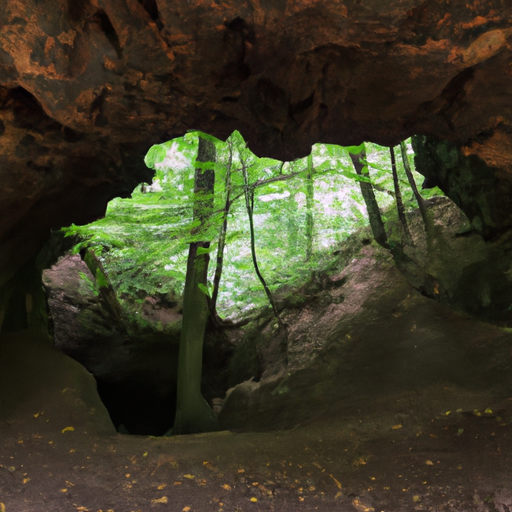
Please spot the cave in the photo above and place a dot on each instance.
(86, 88)
(134, 409)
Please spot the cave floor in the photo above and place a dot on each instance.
(388, 453)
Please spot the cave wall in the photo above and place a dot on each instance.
(86, 87)
(481, 190)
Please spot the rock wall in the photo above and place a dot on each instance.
(366, 333)
(45, 390)
(87, 87)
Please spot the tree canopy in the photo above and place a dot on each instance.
(301, 211)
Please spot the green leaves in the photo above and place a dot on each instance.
(356, 150)
(204, 289)
(155, 155)
(142, 242)
(205, 250)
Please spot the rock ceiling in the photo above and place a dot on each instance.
(87, 86)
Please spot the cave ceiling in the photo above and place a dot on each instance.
(87, 86)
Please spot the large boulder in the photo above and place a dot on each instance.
(49, 391)
(362, 334)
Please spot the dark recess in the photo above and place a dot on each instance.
(151, 7)
(76, 9)
(302, 106)
(102, 19)
(136, 409)
(71, 135)
(28, 112)
(97, 106)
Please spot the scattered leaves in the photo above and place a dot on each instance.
(190, 477)
(253, 499)
(429, 463)
(361, 506)
(338, 484)
(68, 429)
(163, 499)
(396, 427)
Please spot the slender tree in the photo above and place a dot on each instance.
(358, 157)
(422, 205)
(249, 203)
(222, 239)
(310, 202)
(106, 290)
(406, 237)
(292, 223)
(193, 414)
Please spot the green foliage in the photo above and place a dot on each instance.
(88, 283)
(204, 289)
(142, 242)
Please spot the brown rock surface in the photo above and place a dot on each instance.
(87, 87)
(68, 397)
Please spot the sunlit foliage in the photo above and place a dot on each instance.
(143, 241)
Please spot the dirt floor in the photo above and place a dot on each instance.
(396, 404)
(391, 455)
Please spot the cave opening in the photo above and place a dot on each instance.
(136, 408)
(131, 273)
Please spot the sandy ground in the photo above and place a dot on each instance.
(387, 456)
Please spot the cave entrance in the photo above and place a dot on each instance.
(137, 408)
(126, 292)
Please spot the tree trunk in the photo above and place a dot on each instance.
(310, 201)
(106, 290)
(222, 241)
(406, 237)
(379, 233)
(422, 205)
(193, 414)
(292, 225)
(249, 204)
